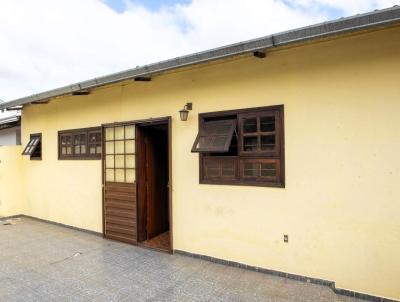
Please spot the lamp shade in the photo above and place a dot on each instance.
(184, 114)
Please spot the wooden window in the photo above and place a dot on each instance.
(80, 143)
(34, 147)
(252, 152)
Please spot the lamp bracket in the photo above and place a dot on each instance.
(188, 106)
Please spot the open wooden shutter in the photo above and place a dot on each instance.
(32, 145)
(214, 136)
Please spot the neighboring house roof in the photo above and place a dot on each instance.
(10, 121)
(375, 19)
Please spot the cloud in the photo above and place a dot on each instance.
(50, 43)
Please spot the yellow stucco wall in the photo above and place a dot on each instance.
(12, 198)
(340, 206)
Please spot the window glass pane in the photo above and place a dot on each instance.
(69, 150)
(109, 147)
(110, 161)
(130, 132)
(130, 176)
(267, 123)
(268, 142)
(119, 132)
(250, 125)
(77, 140)
(77, 149)
(251, 169)
(109, 175)
(130, 146)
(119, 161)
(98, 149)
(119, 147)
(109, 134)
(63, 150)
(92, 138)
(83, 149)
(268, 169)
(130, 161)
(250, 143)
(92, 149)
(119, 175)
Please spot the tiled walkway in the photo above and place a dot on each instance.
(44, 262)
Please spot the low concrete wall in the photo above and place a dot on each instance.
(12, 188)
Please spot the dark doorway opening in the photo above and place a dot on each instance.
(153, 185)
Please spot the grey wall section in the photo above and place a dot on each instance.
(10, 136)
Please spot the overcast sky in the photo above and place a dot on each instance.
(45, 44)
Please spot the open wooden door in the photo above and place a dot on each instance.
(153, 185)
(119, 183)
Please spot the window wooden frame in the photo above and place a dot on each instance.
(276, 156)
(85, 132)
(36, 152)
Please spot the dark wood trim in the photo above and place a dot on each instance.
(79, 129)
(279, 154)
(103, 180)
(150, 121)
(238, 111)
(171, 243)
(141, 185)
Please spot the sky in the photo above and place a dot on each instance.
(45, 44)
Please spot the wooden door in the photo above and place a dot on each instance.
(119, 183)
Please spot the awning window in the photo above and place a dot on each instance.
(32, 145)
(214, 136)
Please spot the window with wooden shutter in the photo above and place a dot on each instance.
(251, 152)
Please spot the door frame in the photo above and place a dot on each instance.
(150, 121)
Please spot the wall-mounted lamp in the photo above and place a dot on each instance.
(185, 111)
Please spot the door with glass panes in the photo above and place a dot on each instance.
(119, 182)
